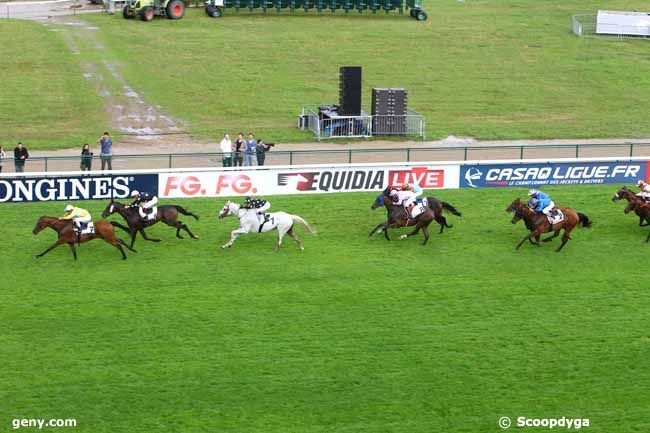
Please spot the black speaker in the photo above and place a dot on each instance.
(389, 102)
(350, 90)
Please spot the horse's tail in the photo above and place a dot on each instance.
(584, 219)
(123, 227)
(450, 208)
(309, 228)
(183, 211)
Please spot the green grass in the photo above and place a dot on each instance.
(488, 69)
(44, 99)
(353, 335)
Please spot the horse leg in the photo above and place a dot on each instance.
(73, 249)
(187, 229)
(565, 239)
(133, 235)
(296, 238)
(233, 236)
(648, 238)
(556, 233)
(145, 237)
(529, 237)
(280, 236)
(124, 244)
(372, 232)
(425, 232)
(54, 245)
(442, 221)
(414, 232)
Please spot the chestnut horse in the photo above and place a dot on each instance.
(538, 223)
(65, 230)
(642, 209)
(630, 196)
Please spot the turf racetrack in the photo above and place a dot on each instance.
(353, 335)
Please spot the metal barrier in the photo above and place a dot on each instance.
(584, 25)
(345, 156)
(362, 126)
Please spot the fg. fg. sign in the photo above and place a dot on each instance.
(560, 173)
(68, 188)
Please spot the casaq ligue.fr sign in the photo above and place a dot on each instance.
(552, 173)
(66, 188)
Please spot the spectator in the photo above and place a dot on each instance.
(86, 158)
(226, 150)
(237, 158)
(250, 150)
(106, 151)
(260, 149)
(20, 156)
(2, 156)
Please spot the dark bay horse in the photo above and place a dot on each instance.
(630, 196)
(398, 218)
(104, 230)
(538, 223)
(437, 206)
(642, 209)
(168, 214)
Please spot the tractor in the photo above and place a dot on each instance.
(147, 9)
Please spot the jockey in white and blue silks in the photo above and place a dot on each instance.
(404, 198)
(415, 189)
(541, 201)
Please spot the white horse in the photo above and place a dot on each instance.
(249, 223)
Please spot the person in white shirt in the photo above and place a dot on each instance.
(2, 156)
(226, 148)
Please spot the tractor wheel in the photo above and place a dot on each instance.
(421, 15)
(146, 13)
(175, 9)
(127, 12)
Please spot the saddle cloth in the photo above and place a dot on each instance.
(558, 218)
(150, 216)
(416, 210)
(87, 229)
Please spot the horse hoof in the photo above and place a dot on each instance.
(36, 257)
(403, 237)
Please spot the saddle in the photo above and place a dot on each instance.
(84, 228)
(148, 214)
(415, 210)
(557, 216)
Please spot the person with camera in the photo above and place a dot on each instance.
(86, 158)
(106, 150)
(260, 151)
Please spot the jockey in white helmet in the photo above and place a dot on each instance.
(145, 201)
(542, 202)
(404, 198)
(645, 189)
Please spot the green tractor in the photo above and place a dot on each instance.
(147, 9)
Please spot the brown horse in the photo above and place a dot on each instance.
(168, 214)
(630, 196)
(65, 230)
(538, 223)
(641, 208)
(398, 218)
(437, 206)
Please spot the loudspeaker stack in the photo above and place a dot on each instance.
(390, 107)
(350, 90)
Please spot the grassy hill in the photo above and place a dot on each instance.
(488, 69)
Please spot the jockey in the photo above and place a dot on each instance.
(404, 198)
(147, 202)
(414, 188)
(542, 202)
(645, 190)
(80, 217)
(260, 205)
